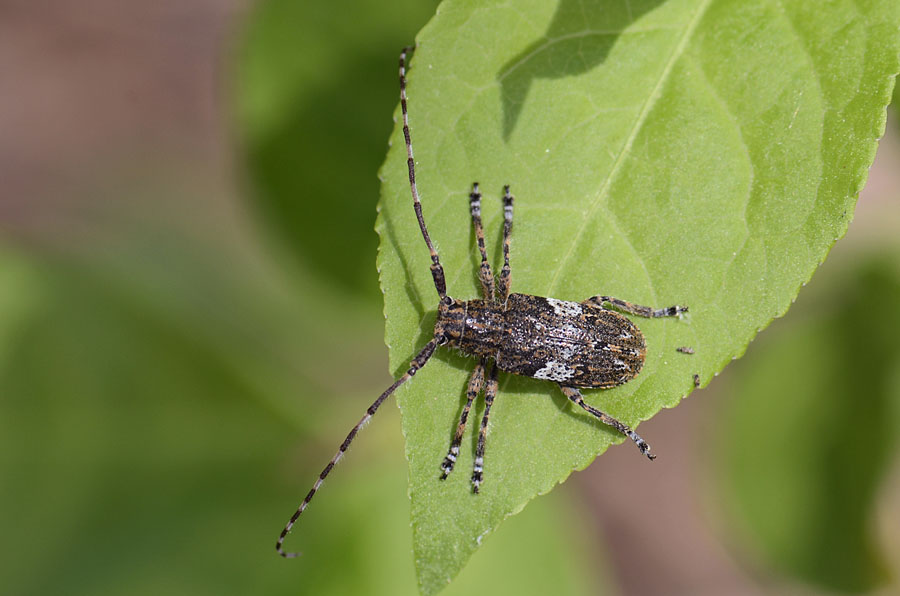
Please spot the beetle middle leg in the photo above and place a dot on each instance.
(490, 391)
(636, 309)
(575, 395)
(476, 382)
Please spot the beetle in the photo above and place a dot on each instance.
(573, 344)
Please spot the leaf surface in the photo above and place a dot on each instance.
(683, 152)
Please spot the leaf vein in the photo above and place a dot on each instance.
(636, 128)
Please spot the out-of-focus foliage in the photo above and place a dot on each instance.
(814, 427)
(896, 101)
(316, 89)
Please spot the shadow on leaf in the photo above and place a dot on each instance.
(578, 40)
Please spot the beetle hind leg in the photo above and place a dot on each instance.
(575, 395)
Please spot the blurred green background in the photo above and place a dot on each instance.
(184, 342)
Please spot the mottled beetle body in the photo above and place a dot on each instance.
(579, 345)
(573, 344)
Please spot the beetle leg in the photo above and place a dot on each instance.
(636, 309)
(490, 391)
(507, 233)
(575, 395)
(476, 382)
(485, 275)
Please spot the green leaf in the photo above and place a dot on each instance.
(681, 152)
(813, 429)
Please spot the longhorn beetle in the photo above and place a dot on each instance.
(573, 344)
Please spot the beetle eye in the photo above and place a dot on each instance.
(446, 300)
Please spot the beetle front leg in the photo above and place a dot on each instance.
(485, 275)
(507, 235)
(575, 395)
(636, 309)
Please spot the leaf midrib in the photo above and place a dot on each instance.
(636, 128)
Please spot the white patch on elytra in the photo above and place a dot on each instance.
(566, 351)
(564, 348)
(565, 308)
(555, 371)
